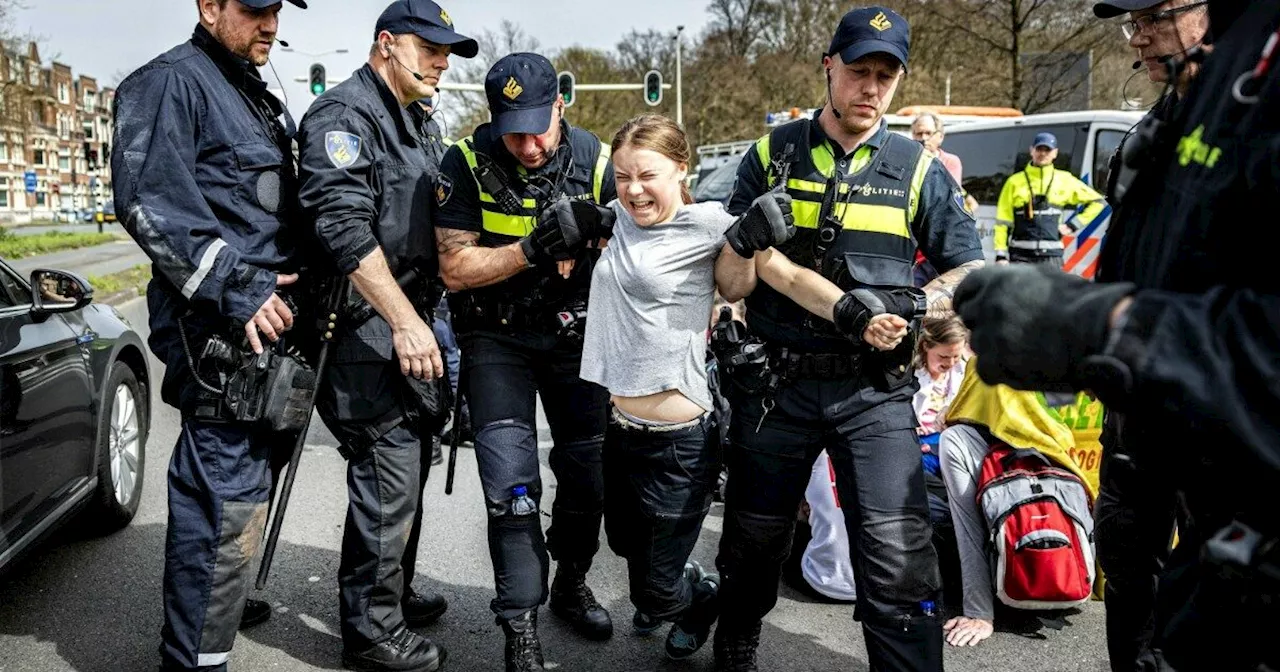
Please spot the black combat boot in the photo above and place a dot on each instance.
(573, 601)
(403, 649)
(255, 612)
(735, 647)
(524, 649)
(422, 608)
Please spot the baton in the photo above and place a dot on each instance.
(327, 329)
(454, 434)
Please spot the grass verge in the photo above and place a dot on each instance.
(121, 285)
(16, 247)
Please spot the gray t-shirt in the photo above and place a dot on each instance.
(651, 298)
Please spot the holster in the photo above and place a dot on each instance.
(428, 404)
(271, 389)
(741, 357)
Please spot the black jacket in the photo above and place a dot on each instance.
(1201, 342)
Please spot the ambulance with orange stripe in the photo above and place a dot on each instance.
(993, 150)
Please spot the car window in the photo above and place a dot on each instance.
(718, 185)
(1104, 146)
(12, 293)
(990, 156)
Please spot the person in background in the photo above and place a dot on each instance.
(1030, 215)
(927, 129)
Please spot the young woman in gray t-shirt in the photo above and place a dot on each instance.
(651, 298)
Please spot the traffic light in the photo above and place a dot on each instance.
(653, 87)
(317, 79)
(567, 93)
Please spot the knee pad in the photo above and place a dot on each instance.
(507, 456)
(899, 561)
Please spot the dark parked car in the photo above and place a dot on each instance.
(717, 185)
(74, 410)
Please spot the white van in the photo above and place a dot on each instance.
(993, 150)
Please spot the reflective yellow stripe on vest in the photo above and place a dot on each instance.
(491, 220)
(854, 216)
(597, 176)
(520, 225)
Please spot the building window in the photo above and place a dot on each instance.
(64, 162)
(40, 199)
(37, 157)
(4, 152)
(4, 197)
(88, 131)
(64, 93)
(89, 100)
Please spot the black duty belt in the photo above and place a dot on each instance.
(792, 365)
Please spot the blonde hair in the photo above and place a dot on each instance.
(936, 331)
(656, 133)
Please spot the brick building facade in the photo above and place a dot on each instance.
(57, 125)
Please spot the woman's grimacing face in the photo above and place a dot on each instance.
(648, 184)
(942, 358)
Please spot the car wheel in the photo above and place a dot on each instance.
(122, 440)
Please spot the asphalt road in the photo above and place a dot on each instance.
(87, 261)
(91, 604)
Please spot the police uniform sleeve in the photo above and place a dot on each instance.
(1210, 357)
(945, 231)
(1093, 202)
(457, 197)
(161, 203)
(336, 173)
(750, 182)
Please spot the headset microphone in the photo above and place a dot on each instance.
(416, 75)
(282, 43)
(1137, 64)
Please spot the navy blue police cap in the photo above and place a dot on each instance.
(522, 88)
(1114, 8)
(1045, 140)
(870, 30)
(263, 4)
(426, 20)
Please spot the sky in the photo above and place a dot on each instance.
(107, 39)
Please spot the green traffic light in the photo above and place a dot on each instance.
(317, 89)
(653, 96)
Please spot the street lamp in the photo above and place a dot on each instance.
(679, 90)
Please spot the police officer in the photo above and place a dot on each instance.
(1183, 343)
(368, 154)
(863, 199)
(1134, 516)
(205, 184)
(517, 209)
(1030, 219)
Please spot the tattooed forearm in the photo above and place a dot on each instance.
(449, 240)
(938, 292)
(464, 264)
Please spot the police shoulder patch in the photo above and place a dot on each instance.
(343, 148)
(957, 197)
(444, 189)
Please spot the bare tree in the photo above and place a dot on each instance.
(462, 111)
(1010, 31)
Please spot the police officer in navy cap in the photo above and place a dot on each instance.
(863, 200)
(517, 220)
(369, 152)
(205, 183)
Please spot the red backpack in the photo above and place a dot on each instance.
(1041, 526)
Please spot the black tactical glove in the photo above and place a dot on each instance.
(854, 310)
(557, 236)
(595, 221)
(1033, 327)
(767, 223)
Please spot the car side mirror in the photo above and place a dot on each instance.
(54, 291)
